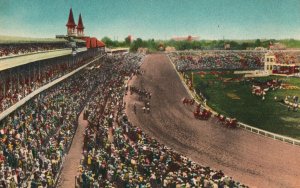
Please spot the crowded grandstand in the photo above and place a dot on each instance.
(35, 138)
(206, 60)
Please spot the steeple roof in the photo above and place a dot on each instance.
(71, 22)
(80, 24)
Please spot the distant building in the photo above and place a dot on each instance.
(76, 37)
(277, 46)
(143, 50)
(72, 30)
(130, 38)
(188, 38)
(227, 46)
(281, 64)
(260, 49)
(170, 49)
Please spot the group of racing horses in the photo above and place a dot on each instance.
(205, 114)
(144, 96)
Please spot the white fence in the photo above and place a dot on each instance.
(240, 124)
(269, 134)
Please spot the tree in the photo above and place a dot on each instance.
(127, 41)
(108, 42)
(138, 43)
(244, 45)
(257, 43)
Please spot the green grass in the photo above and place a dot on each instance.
(268, 115)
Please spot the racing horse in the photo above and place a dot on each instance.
(202, 114)
(188, 101)
(231, 123)
(221, 119)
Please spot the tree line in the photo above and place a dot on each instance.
(157, 45)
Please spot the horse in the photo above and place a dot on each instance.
(204, 114)
(188, 101)
(231, 123)
(221, 119)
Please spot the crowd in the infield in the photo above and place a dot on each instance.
(36, 137)
(229, 60)
(17, 88)
(19, 49)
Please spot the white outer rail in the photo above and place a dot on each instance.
(255, 130)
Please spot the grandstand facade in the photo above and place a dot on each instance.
(281, 64)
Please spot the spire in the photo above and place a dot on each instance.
(80, 27)
(80, 24)
(71, 23)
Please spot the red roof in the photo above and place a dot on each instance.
(80, 24)
(100, 43)
(71, 22)
(93, 42)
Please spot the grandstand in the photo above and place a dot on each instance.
(16, 46)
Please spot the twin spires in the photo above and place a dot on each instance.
(71, 26)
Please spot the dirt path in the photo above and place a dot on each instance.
(72, 161)
(252, 159)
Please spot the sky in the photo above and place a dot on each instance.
(158, 19)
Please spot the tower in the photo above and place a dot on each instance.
(71, 26)
(80, 27)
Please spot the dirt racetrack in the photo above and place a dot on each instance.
(249, 158)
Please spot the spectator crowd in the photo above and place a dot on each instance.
(19, 49)
(21, 83)
(208, 60)
(118, 154)
(35, 138)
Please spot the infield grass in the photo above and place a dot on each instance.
(235, 99)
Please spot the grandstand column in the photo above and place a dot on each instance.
(27, 74)
(34, 74)
(10, 80)
(18, 78)
(39, 70)
(2, 84)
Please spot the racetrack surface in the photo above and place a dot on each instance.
(254, 160)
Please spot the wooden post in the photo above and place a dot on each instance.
(192, 79)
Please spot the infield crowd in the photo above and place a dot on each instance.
(228, 60)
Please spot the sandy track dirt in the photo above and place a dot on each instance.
(249, 158)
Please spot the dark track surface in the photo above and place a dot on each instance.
(249, 158)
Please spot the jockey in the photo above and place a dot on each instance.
(134, 108)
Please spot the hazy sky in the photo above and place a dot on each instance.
(159, 19)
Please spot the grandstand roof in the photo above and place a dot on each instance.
(71, 22)
(8, 63)
(78, 40)
(80, 24)
(100, 43)
(20, 40)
